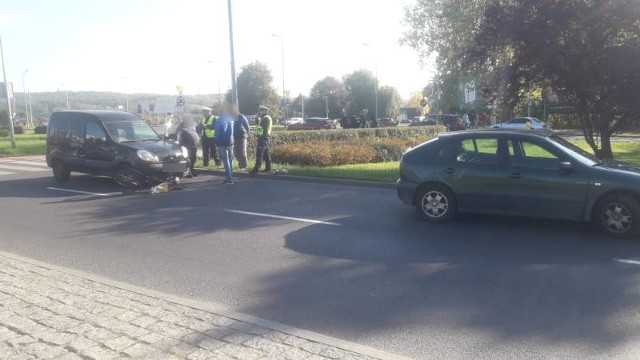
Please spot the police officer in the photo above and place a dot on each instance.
(209, 149)
(263, 133)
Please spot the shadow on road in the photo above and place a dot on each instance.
(554, 281)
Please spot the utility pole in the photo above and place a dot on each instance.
(234, 85)
(302, 102)
(6, 89)
(26, 102)
(375, 55)
(283, 92)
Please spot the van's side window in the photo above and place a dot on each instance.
(76, 130)
(95, 134)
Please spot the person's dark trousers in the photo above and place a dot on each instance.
(193, 156)
(209, 151)
(240, 152)
(262, 153)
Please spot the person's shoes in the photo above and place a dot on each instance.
(226, 182)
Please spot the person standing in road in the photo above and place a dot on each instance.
(263, 133)
(240, 132)
(187, 136)
(465, 120)
(208, 135)
(224, 140)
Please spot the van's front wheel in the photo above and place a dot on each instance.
(60, 172)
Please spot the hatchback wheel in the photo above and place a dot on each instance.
(436, 203)
(60, 172)
(618, 216)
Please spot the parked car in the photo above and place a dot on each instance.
(294, 120)
(452, 122)
(387, 122)
(521, 123)
(517, 172)
(314, 124)
(111, 143)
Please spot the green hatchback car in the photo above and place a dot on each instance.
(519, 172)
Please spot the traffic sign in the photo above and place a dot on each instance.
(181, 101)
(423, 102)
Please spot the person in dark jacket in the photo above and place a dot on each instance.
(263, 133)
(188, 137)
(224, 141)
(240, 132)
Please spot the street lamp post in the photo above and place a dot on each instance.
(6, 90)
(234, 84)
(219, 88)
(282, 54)
(26, 103)
(326, 105)
(376, 69)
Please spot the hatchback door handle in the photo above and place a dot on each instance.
(449, 171)
(516, 175)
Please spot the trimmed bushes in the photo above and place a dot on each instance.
(40, 129)
(340, 147)
(4, 133)
(388, 144)
(18, 130)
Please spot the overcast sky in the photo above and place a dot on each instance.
(155, 45)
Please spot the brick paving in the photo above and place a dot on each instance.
(49, 314)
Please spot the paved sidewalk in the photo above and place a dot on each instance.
(47, 312)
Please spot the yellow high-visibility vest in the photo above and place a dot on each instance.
(260, 131)
(211, 120)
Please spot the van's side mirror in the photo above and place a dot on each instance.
(566, 167)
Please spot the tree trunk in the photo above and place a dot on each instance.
(605, 152)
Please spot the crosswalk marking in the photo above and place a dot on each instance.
(21, 168)
(6, 173)
(32, 163)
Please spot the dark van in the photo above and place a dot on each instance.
(111, 143)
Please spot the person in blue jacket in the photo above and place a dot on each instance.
(224, 140)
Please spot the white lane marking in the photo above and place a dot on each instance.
(80, 192)
(627, 261)
(6, 173)
(32, 163)
(21, 168)
(284, 217)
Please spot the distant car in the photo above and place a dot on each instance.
(294, 120)
(519, 172)
(521, 123)
(314, 124)
(451, 122)
(387, 122)
(405, 121)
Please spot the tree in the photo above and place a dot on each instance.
(388, 102)
(255, 88)
(336, 97)
(562, 46)
(360, 86)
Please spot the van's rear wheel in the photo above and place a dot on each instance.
(60, 172)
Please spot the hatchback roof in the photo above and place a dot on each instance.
(501, 131)
(104, 115)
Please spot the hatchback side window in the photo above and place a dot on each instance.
(528, 154)
(480, 151)
(95, 134)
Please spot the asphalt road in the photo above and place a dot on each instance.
(368, 272)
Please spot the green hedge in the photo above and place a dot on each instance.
(412, 135)
(4, 133)
(40, 129)
(18, 130)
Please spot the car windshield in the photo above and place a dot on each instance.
(575, 151)
(131, 131)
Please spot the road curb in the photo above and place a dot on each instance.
(214, 308)
(305, 179)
